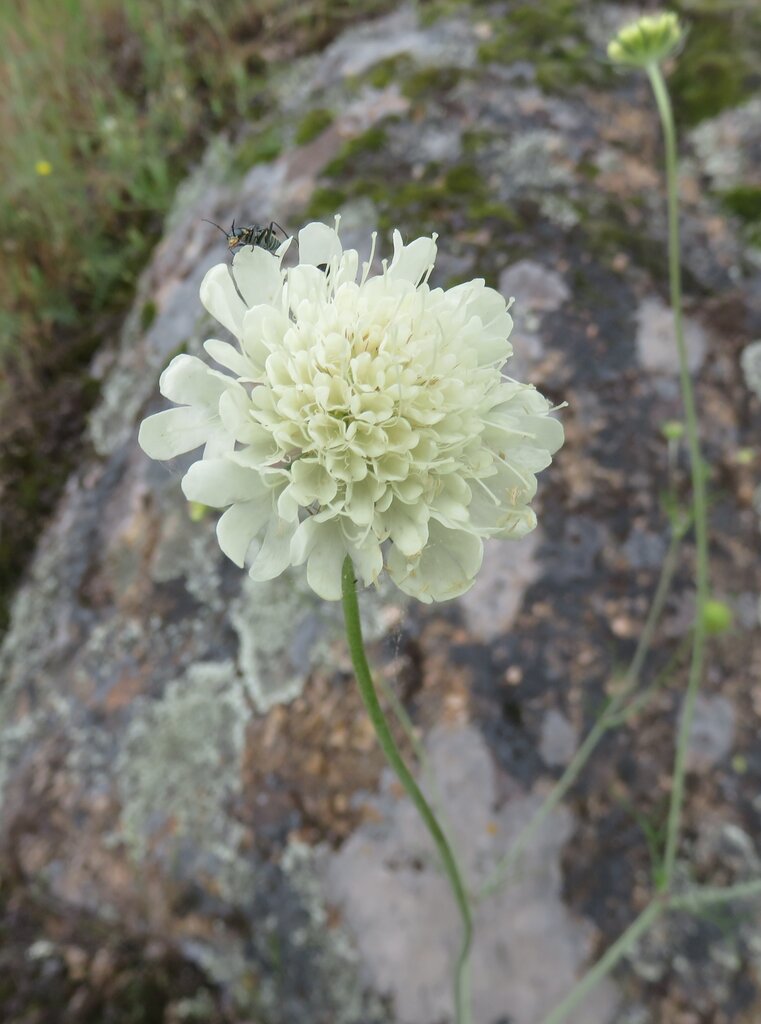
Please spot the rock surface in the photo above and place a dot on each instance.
(185, 766)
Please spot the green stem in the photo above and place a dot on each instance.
(692, 900)
(663, 103)
(607, 962)
(394, 758)
(405, 722)
(611, 716)
(425, 774)
(641, 700)
(706, 896)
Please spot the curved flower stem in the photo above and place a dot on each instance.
(663, 103)
(609, 718)
(405, 723)
(394, 758)
(424, 765)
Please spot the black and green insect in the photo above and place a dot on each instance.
(266, 237)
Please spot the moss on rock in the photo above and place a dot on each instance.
(313, 124)
(719, 67)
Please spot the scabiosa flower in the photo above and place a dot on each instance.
(363, 416)
(649, 40)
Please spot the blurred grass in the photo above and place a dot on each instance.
(106, 104)
(110, 100)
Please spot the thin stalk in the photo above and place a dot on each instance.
(693, 899)
(428, 781)
(663, 103)
(607, 962)
(636, 704)
(706, 896)
(406, 724)
(609, 718)
(394, 758)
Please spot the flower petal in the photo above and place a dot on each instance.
(406, 525)
(227, 355)
(318, 244)
(446, 568)
(235, 413)
(411, 262)
(548, 432)
(220, 482)
(263, 329)
(174, 432)
(258, 275)
(324, 566)
(220, 297)
(189, 381)
(221, 442)
(367, 558)
(238, 526)
(274, 555)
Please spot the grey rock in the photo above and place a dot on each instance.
(393, 897)
(727, 147)
(574, 555)
(537, 288)
(712, 733)
(449, 43)
(558, 739)
(656, 342)
(644, 550)
(493, 602)
(750, 361)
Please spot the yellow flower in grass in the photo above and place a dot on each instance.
(361, 414)
(43, 168)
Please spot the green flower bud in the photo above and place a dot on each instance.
(649, 40)
(672, 430)
(197, 511)
(744, 456)
(717, 616)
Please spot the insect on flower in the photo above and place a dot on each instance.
(253, 235)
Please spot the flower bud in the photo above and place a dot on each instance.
(197, 511)
(649, 40)
(672, 430)
(717, 616)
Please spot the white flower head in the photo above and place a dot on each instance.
(362, 414)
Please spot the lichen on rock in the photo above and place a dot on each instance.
(178, 766)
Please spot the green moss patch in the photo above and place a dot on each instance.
(719, 67)
(385, 72)
(325, 202)
(744, 202)
(431, 80)
(259, 148)
(552, 37)
(371, 141)
(313, 124)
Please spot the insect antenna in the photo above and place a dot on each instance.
(214, 224)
